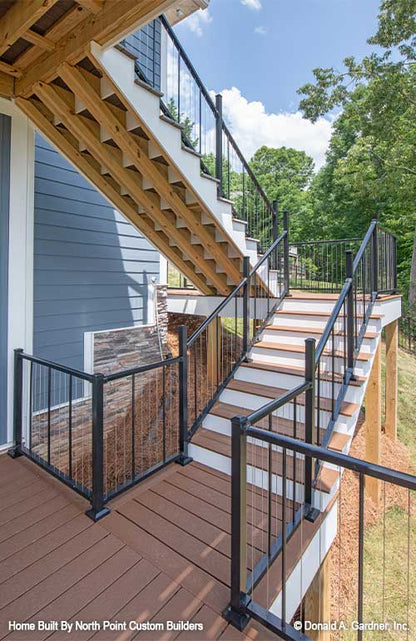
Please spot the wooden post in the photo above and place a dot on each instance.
(317, 601)
(373, 423)
(214, 351)
(392, 336)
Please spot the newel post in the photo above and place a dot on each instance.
(98, 509)
(236, 611)
(16, 450)
(184, 458)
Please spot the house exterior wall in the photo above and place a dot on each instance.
(5, 139)
(92, 268)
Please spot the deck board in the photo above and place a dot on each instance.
(162, 553)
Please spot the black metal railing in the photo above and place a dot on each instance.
(101, 434)
(266, 508)
(320, 266)
(407, 333)
(187, 101)
(307, 413)
(223, 340)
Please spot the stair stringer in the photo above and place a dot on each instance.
(118, 71)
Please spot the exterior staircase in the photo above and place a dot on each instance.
(275, 365)
(109, 124)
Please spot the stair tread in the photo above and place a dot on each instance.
(296, 370)
(281, 425)
(309, 330)
(256, 455)
(300, 349)
(307, 312)
(268, 391)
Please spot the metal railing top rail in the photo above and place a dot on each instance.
(213, 107)
(332, 320)
(274, 405)
(60, 368)
(266, 255)
(364, 244)
(346, 461)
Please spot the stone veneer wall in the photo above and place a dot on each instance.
(121, 349)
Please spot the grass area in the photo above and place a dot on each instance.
(407, 401)
(388, 578)
(389, 574)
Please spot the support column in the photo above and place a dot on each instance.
(317, 601)
(392, 338)
(373, 423)
(214, 350)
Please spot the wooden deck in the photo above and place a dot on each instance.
(162, 554)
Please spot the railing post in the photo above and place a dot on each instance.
(184, 459)
(350, 312)
(375, 262)
(394, 264)
(98, 510)
(311, 513)
(286, 251)
(218, 143)
(246, 306)
(236, 611)
(16, 450)
(275, 233)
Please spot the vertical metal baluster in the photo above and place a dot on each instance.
(70, 393)
(29, 443)
(333, 374)
(295, 408)
(284, 542)
(361, 554)
(164, 410)
(49, 413)
(133, 426)
(270, 479)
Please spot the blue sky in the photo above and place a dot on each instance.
(266, 49)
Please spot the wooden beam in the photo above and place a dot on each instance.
(88, 133)
(93, 6)
(392, 340)
(19, 18)
(6, 85)
(38, 40)
(373, 423)
(117, 18)
(78, 160)
(317, 601)
(10, 70)
(104, 115)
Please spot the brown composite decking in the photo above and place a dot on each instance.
(162, 553)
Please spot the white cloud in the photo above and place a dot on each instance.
(252, 4)
(261, 31)
(197, 21)
(253, 127)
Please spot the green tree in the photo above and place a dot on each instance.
(371, 163)
(285, 175)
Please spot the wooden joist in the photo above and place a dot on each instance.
(38, 40)
(19, 18)
(10, 70)
(33, 110)
(93, 6)
(110, 25)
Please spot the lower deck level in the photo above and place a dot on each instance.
(162, 554)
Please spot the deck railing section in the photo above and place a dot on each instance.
(266, 509)
(100, 434)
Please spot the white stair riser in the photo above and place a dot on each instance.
(253, 402)
(311, 305)
(297, 338)
(287, 381)
(314, 322)
(283, 357)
